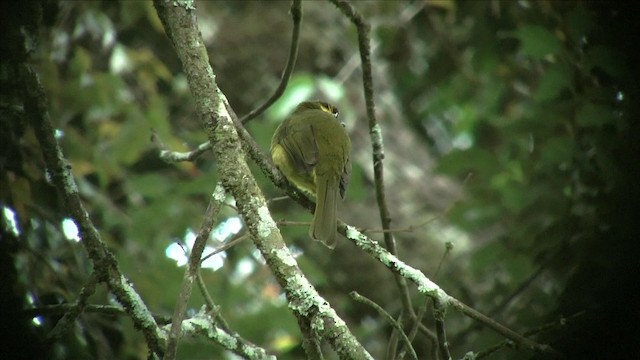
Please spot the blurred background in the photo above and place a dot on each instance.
(510, 132)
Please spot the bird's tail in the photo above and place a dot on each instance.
(323, 226)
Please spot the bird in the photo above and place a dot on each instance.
(312, 149)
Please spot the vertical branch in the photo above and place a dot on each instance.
(310, 342)
(441, 334)
(364, 29)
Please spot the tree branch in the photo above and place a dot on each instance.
(105, 265)
(431, 289)
(441, 334)
(177, 156)
(362, 299)
(363, 28)
(296, 15)
(202, 324)
(90, 308)
(191, 272)
(63, 325)
(181, 27)
(171, 157)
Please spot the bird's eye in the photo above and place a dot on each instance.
(333, 110)
(329, 109)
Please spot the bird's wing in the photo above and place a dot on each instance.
(301, 146)
(346, 177)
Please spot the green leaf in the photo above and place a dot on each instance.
(80, 63)
(299, 89)
(157, 115)
(132, 138)
(487, 256)
(333, 89)
(609, 60)
(579, 23)
(556, 151)
(538, 42)
(462, 163)
(556, 79)
(594, 115)
(151, 185)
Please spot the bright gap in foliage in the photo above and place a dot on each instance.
(219, 235)
(11, 220)
(70, 229)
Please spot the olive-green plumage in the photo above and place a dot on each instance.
(311, 148)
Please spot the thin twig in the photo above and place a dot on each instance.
(441, 334)
(508, 343)
(410, 228)
(208, 300)
(177, 156)
(225, 247)
(362, 299)
(496, 326)
(423, 309)
(278, 198)
(296, 15)
(59, 309)
(364, 44)
(519, 290)
(172, 157)
(192, 270)
(212, 308)
(68, 319)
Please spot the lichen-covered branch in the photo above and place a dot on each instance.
(304, 301)
(431, 289)
(105, 265)
(364, 44)
(202, 324)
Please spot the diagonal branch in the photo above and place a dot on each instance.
(61, 309)
(105, 265)
(192, 269)
(180, 24)
(359, 298)
(431, 289)
(202, 324)
(296, 16)
(67, 320)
